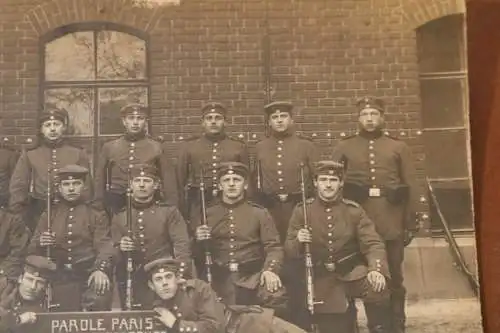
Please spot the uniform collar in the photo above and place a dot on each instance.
(215, 137)
(283, 135)
(143, 205)
(235, 204)
(71, 203)
(134, 137)
(371, 135)
(52, 144)
(329, 203)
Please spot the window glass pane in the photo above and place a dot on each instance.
(120, 56)
(79, 102)
(111, 100)
(453, 142)
(70, 57)
(454, 200)
(441, 45)
(442, 103)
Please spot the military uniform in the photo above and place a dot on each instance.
(83, 245)
(119, 155)
(278, 159)
(8, 160)
(380, 175)
(244, 243)
(12, 304)
(158, 230)
(205, 153)
(28, 186)
(344, 248)
(14, 239)
(198, 310)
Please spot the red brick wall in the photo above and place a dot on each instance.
(324, 55)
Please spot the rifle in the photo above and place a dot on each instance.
(49, 230)
(259, 176)
(130, 263)
(208, 254)
(307, 255)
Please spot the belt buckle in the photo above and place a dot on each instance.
(68, 266)
(330, 266)
(215, 192)
(283, 197)
(233, 267)
(374, 192)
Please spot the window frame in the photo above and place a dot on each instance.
(96, 84)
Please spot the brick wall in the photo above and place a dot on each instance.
(324, 54)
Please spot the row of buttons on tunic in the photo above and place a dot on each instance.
(279, 155)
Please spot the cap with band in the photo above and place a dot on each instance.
(144, 170)
(331, 168)
(54, 114)
(281, 106)
(214, 107)
(370, 102)
(134, 109)
(163, 265)
(72, 171)
(229, 168)
(40, 266)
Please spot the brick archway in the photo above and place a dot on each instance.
(51, 14)
(419, 12)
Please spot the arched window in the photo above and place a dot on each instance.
(443, 86)
(92, 70)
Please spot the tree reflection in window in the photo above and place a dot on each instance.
(92, 71)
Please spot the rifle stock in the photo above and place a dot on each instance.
(208, 254)
(307, 255)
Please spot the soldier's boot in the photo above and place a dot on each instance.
(398, 303)
(379, 317)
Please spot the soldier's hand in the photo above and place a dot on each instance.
(127, 244)
(47, 238)
(304, 236)
(99, 281)
(376, 280)
(27, 318)
(203, 232)
(165, 316)
(271, 280)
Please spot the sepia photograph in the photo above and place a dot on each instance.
(236, 166)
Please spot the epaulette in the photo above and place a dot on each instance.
(254, 204)
(350, 202)
(308, 201)
(389, 135)
(191, 138)
(347, 137)
(237, 139)
(305, 137)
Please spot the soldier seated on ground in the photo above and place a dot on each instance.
(79, 240)
(245, 244)
(19, 307)
(192, 306)
(349, 256)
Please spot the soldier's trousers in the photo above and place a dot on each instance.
(377, 308)
(71, 293)
(395, 256)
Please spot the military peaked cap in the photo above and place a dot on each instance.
(161, 265)
(54, 114)
(214, 107)
(331, 168)
(238, 168)
(72, 171)
(370, 102)
(144, 170)
(40, 266)
(282, 106)
(134, 109)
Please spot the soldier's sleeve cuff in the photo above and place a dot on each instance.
(378, 266)
(272, 266)
(185, 326)
(103, 266)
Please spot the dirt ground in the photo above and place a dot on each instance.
(439, 316)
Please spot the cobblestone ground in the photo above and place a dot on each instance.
(439, 316)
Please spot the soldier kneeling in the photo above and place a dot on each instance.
(349, 258)
(192, 306)
(18, 308)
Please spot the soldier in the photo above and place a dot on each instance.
(278, 159)
(14, 240)
(348, 255)
(204, 154)
(18, 309)
(79, 239)
(380, 175)
(28, 186)
(245, 244)
(156, 230)
(118, 156)
(192, 306)
(8, 160)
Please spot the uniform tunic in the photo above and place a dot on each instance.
(116, 158)
(83, 245)
(158, 231)
(205, 152)
(8, 160)
(339, 230)
(14, 240)
(279, 159)
(243, 234)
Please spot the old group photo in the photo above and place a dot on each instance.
(236, 166)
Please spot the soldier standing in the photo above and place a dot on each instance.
(80, 243)
(245, 244)
(14, 240)
(29, 183)
(118, 156)
(203, 155)
(192, 306)
(156, 230)
(18, 308)
(348, 255)
(8, 160)
(380, 175)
